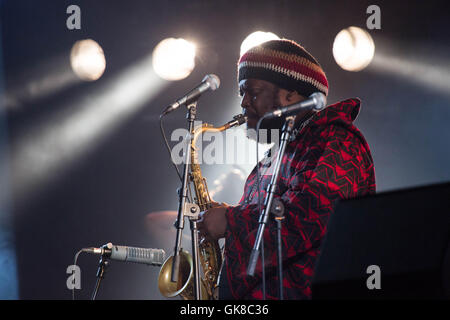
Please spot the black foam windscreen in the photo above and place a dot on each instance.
(403, 233)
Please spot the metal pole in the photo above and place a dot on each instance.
(287, 130)
(102, 265)
(194, 237)
(192, 110)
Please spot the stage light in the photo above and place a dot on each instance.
(255, 39)
(87, 60)
(174, 59)
(353, 49)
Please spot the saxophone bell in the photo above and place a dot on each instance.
(184, 287)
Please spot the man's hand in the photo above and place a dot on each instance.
(213, 222)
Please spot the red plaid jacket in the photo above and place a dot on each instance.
(329, 160)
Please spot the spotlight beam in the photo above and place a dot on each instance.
(47, 149)
(435, 76)
(47, 78)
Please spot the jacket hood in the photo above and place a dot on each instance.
(340, 113)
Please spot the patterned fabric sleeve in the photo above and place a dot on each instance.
(335, 166)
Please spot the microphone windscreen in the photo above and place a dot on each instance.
(320, 99)
(212, 80)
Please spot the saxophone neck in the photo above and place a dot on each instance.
(237, 121)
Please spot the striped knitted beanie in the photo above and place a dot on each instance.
(286, 64)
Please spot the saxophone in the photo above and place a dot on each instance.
(210, 254)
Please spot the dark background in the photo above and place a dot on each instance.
(105, 195)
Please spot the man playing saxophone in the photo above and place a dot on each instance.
(327, 159)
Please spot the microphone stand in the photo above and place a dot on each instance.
(277, 209)
(185, 208)
(102, 265)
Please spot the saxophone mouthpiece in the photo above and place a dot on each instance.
(237, 121)
(240, 118)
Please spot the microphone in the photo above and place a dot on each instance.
(153, 257)
(316, 102)
(209, 82)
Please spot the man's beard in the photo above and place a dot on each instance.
(269, 131)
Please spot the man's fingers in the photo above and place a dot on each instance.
(215, 204)
(200, 216)
(201, 224)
